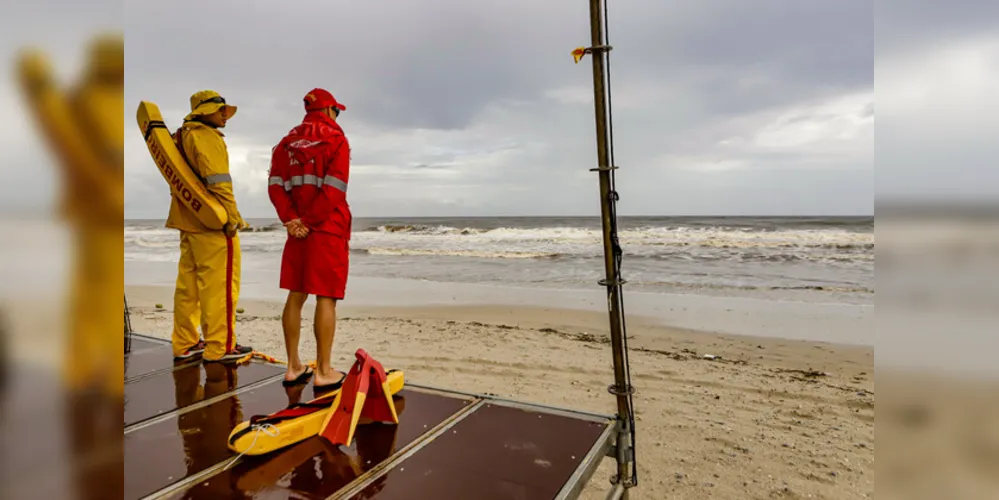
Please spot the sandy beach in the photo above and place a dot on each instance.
(718, 415)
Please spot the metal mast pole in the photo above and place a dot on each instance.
(622, 388)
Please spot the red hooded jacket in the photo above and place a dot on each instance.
(309, 171)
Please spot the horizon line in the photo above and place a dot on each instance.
(559, 216)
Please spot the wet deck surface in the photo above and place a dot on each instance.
(140, 344)
(170, 435)
(165, 452)
(497, 453)
(314, 470)
(149, 360)
(56, 446)
(164, 391)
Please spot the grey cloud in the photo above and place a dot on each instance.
(437, 64)
(424, 166)
(470, 108)
(911, 26)
(940, 145)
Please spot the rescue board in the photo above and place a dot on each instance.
(185, 186)
(89, 158)
(294, 423)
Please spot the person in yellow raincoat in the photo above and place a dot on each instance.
(209, 268)
(83, 130)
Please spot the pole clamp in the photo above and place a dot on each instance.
(603, 169)
(631, 483)
(619, 391)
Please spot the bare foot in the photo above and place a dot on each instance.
(294, 372)
(332, 377)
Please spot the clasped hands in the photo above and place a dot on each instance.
(297, 228)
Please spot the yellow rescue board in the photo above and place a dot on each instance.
(289, 432)
(184, 185)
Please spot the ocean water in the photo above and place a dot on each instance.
(812, 258)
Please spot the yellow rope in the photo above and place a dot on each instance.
(268, 358)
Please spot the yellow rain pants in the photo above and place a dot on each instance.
(206, 293)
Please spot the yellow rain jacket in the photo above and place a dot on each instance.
(207, 154)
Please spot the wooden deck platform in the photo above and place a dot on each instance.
(447, 444)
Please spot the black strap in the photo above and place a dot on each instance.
(153, 125)
(179, 141)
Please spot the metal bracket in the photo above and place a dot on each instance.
(603, 169)
(615, 479)
(619, 282)
(603, 48)
(617, 391)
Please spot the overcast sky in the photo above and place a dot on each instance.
(475, 108)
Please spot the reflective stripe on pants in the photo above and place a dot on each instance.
(207, 292)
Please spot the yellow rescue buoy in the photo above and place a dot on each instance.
(293, 424)
(184, 184)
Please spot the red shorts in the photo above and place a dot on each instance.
(316, 265)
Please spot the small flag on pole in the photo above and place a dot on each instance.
(578, 53)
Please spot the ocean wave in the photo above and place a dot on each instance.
(150, 241)
(835, 238)
(726, 258)
(151, 257)
(752, 257)
(265, 229)
(836, 246)
(425, 229)
(482, 254)
(273, 242)
(653, 235)
(596, 253)
(727, 286)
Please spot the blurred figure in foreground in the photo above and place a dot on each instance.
(85, 130)
(83, 127)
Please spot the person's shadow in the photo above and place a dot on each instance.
(205, 431)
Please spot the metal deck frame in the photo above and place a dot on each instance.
(573, 487)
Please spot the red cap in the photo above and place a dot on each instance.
(318, 99)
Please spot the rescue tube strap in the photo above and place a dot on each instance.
(154, 124)
(178, 139)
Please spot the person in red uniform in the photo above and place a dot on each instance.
(308, 187)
